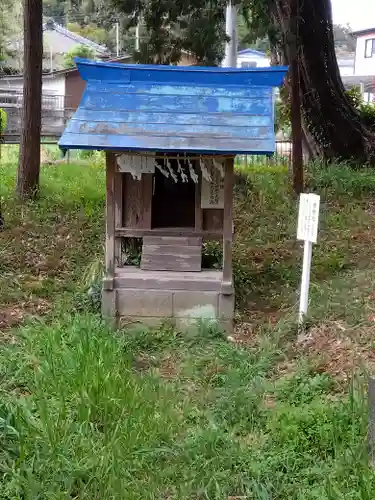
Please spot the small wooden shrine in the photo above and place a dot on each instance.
(171, 135)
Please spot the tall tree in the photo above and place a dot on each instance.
(171, 26)
(29, 161)
(330, 119)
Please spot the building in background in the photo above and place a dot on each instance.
(250, 58)
(346, 63)
(363, 74)
(365, 52)
(57, 41)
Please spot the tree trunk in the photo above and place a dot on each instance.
(29, 161)
(328, 114)
(295, 101)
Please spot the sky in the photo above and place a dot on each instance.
(360, 14)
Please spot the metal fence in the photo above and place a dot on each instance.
(54, 114)
(282, 156)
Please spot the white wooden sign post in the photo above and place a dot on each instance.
(308, 220)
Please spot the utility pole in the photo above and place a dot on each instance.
(230, 59)
(117, 39)
(137, 35)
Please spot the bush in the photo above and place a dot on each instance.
(212, 255)
(77, 51)
(3, 120)
(90, 155)
(283, 113)
(365, 110)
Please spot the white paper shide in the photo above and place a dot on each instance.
(136, 165)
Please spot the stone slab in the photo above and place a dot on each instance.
(226, 306)
(195, 304)
(143, 321)
(109, 309)
(144, 303)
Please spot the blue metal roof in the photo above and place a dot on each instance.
(174, 109)
(251, 52)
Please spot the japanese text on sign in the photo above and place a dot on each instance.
(308, 217)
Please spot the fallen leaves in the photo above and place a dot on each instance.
(335, 350)
(13, 315)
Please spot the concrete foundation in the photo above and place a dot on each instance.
(184, 299)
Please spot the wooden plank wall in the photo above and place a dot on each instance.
(137, 200)
(213, 219)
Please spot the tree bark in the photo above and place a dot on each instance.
(328, 114)
(297, 136)
(29, 160)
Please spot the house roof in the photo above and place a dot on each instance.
(174, 108)
(251, 52)
(60, 72)
(62, 38)
(368, 31)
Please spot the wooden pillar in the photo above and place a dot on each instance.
(147, 188)
(110, 217)
(118, 214)
(198, 204)
(228, 222)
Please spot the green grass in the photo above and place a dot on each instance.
(47, 244)
(267, 255)
(88, 413)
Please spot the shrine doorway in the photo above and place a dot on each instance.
(173, 203)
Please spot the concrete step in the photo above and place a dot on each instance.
(132, 277)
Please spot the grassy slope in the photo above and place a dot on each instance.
(155, 415)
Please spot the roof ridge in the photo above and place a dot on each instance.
(74, 36)
(254, 51)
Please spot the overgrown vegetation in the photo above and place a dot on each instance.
(88, 413)
(366, 110)
(3, 120)
(77, 51)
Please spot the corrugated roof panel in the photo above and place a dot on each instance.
(172, 108)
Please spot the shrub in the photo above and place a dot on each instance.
(3, 120)
(77, 51)
(366, 110)
(212, 255)
(282, 113)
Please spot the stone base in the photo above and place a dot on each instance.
(181, 324)
(184, 308)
